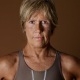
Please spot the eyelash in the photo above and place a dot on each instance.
(31, 22)
(45, 22)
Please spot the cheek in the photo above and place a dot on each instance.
(47, 31)
(29, 32)
(47, 34)
(29, 29)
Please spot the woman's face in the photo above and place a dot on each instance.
(38, 30)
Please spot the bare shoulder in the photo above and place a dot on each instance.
(70, 64)
(69, 59)
(9, 59)
(8, 63)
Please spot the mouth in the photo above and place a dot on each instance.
(38, 38)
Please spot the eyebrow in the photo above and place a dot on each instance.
(41, 20)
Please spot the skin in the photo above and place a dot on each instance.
(38, 54)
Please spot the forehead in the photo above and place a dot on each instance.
(38, 15)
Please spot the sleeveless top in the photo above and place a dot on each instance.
(26, 73)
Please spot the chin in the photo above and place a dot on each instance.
(41, 45)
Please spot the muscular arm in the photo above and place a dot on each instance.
(3, 68)
(76, 68)
(70, 67)
(8, 66)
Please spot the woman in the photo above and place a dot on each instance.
(38, 60)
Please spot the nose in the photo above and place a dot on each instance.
(39, 27)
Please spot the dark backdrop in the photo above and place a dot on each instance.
(66, 37)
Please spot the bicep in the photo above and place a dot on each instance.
(3, 69)
(72, 65)
(77, 72)
(76, 68)
(1, 72)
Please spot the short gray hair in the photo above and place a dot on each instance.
(28, 7)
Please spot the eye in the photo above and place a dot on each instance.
(32, 22)
(44, 22)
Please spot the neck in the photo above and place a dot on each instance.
(36, 52)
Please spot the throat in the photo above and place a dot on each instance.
(37, 52)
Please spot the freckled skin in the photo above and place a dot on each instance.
(39, 55)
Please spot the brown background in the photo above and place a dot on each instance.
(66, 37)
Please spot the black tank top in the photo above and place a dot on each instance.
(26, 73)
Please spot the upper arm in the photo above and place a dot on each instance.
(76, 68)
(72, 65)
(2, 69)
(8, 65)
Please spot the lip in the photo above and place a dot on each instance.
(38, 38)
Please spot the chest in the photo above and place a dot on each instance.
(40, 65)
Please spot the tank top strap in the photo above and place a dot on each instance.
(20, 61)
(23, 72)
(21, 58)
(20, 54)
(58, 56)
(59, 59)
